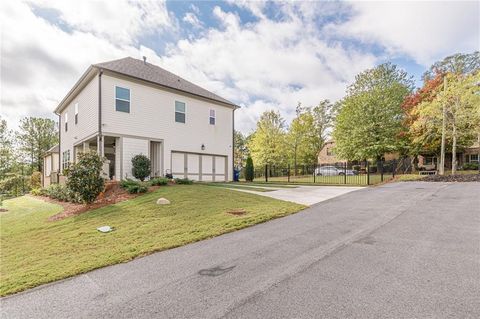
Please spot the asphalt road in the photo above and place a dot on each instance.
(403, 250)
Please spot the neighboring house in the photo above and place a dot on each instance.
(127, 107)
(327, 154)
(466, 155)
(425, 161)
(50, 167)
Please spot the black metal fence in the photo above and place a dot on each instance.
(346, 173)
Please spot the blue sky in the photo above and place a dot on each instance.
(260, 55)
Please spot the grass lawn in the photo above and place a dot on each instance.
(35, 251)
(236, 186)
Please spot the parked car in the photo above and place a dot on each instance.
(333, 171)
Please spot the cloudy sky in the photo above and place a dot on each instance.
(260, 55)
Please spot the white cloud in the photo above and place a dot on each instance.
(40, 62)
(274, 64)
(191, 18)
(425, 30)
(266, 64)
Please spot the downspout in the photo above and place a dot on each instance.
(100, 137)
(233, 143)
(59, 148)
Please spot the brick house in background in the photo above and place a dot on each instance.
(425, 161)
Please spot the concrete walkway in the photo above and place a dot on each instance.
(305, 195)
(401, 250)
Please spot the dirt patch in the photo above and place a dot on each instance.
(452, 178)
(113, 194)
(3, 210)
(237, 212)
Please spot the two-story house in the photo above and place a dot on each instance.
(127, 107)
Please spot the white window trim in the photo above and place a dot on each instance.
(175, 111)
(75, 117)
(473, 160)
(214, 116)
(115, 98)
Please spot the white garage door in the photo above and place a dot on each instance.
(199, 167)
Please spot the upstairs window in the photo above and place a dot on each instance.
(122, 99)
(76, 113)
(66, 122)
(212, 117)
(179, 112)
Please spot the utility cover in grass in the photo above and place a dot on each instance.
(105, 229)
(163, 201)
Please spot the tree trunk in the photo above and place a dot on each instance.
(454, 149)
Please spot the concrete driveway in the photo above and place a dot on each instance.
(305, 195)
(403, 250)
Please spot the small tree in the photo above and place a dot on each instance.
(84, 177)
(140, 167)
(249, 170)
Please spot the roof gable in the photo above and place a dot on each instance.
(146, 71)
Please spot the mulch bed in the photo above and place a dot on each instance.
(452, 178)
(113, 194)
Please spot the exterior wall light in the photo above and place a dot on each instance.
(203, 147)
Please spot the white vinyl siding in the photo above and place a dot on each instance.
(152, 117)
(130, 148)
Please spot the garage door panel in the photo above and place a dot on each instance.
(178, 163)
(207, 164)
(199, 167)
(207, 178)
(193, 162)
(219, 165)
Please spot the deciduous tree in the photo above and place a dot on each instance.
(370, 117)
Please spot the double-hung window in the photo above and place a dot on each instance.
(76, 113)
(66, 122)
(212, 117)
(122, 99)
(65, 159)
(180, 112)
(474, 158)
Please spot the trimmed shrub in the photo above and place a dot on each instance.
(159, 181)
(249, 170)
(61, 193)
(470, 166)
(137, 189)
(126, 183)
(133, 187)
(84, 177)
(184, 181)
(140, 167)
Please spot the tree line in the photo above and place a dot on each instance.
(382, 112)
(22, 150)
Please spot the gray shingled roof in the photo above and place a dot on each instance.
(152, 73)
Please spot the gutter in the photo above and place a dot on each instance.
(100, 137)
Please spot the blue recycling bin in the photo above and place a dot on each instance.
(236, 175)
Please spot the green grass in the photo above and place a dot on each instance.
(234, 186)
(35, 251)
(409, 177)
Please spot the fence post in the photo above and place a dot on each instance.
(345, 173)
(368, 173)
(266, 173)
(381, 170)
(394, 168)
(314, 172)
(288, 173)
